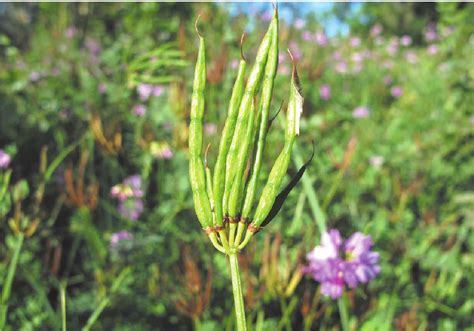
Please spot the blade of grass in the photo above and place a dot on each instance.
(62, 291)
(61, 156)
(313, 201)
(7, 285)
(105, 302)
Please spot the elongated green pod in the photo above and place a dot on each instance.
(209, 191)
(267, 92)
(242, 157)
(226, 139)
(244, 110)
(196, 168)
(271, 189)
(281, 197)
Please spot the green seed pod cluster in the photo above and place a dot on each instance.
(225, 201)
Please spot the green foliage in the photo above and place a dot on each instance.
(71, 78)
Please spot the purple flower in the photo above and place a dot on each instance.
(355, 41)
(144, 91)
(135, 183)
(432, 49)
(376, 30)
(131, 208)
(299, 23)
(396, 91)
(130, 188)
(357, 57)
(166, 153)
(337, 56)
(405, 40)
(161, 150)
(335, 263)
(139, 110)
(325, 92)
(321, 39)
(307, 36)
(35, 76)
(158, 90)
(102, 88)
(116, 237)
(341, 67)
(5, 159)
(392, 48)
(360, 259)
(430, 35)
(361, 112)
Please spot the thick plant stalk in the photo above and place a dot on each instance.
(237, 292)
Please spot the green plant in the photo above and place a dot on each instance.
(224, 203)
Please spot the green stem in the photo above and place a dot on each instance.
(343, 312)
(332, 191)
(310, 192)
(232, 228)
(9, 281)
(286, 312)
(196, 323)
(62, 289)
(237, 291)
(105, 302)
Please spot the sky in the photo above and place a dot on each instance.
(331, 24)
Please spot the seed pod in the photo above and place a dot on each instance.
(227, 133)
(270, 191)
(267, 91)
(196, 168)
(242, 157)
(281, 197)
(244, 113)
(209, 191)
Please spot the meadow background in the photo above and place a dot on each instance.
(94, 100)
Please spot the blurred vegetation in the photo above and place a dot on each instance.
(71, 79)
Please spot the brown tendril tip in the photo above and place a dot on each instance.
(295, 72)
(205, 154)
(242, 46)
(291, 56)
(196, 25)
(275, 7)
